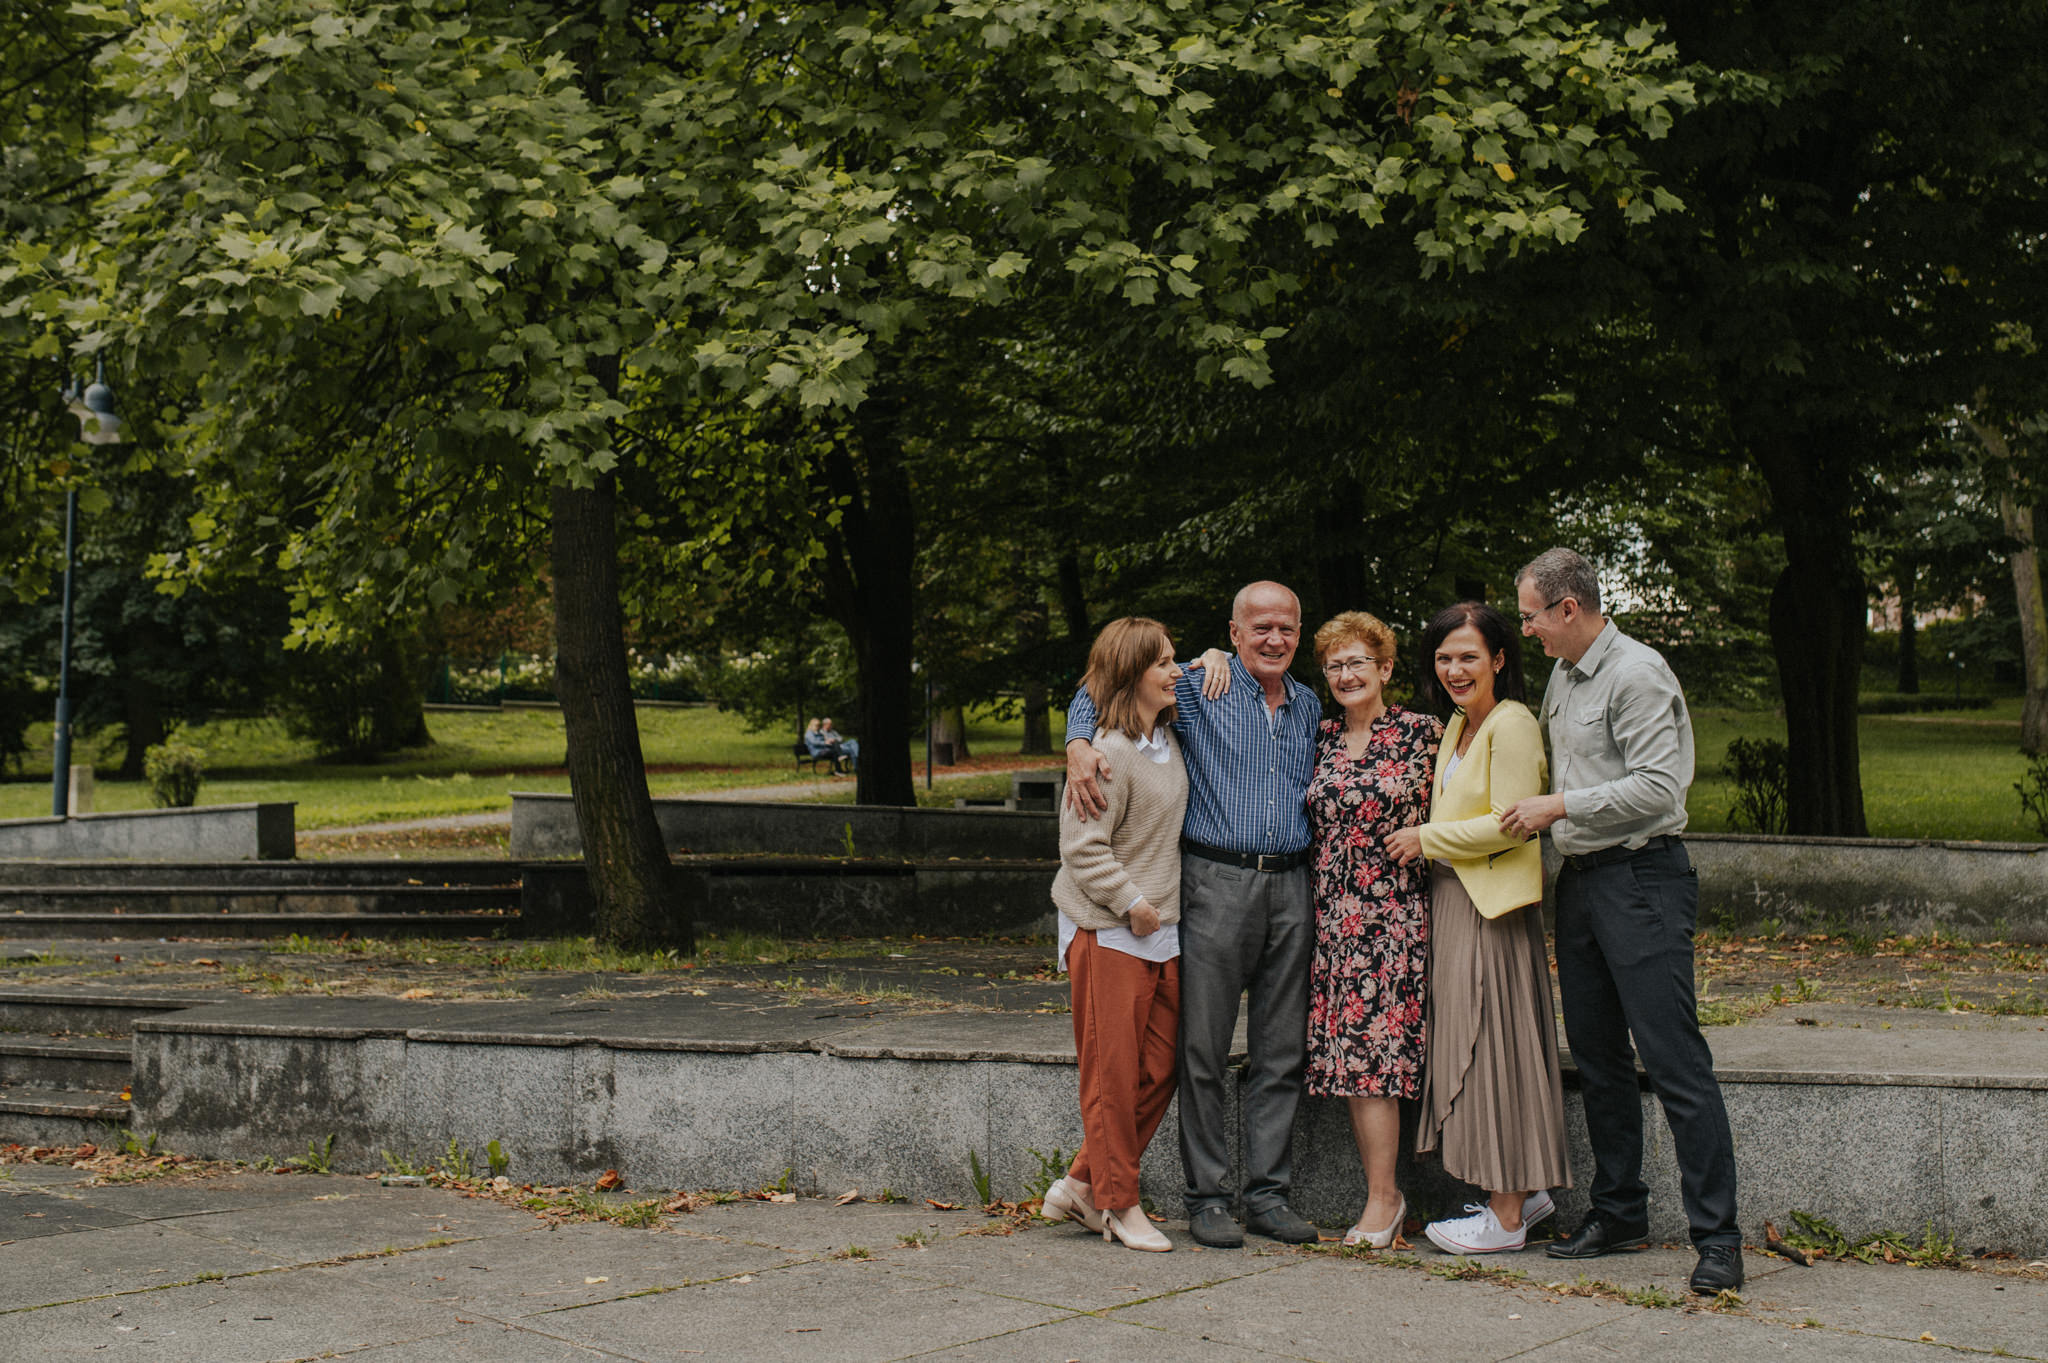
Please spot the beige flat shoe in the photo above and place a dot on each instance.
(1144, 1235)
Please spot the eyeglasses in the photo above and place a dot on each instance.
(1527, 616)
(1349, 666)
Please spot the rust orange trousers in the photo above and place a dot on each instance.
(1126, 1018)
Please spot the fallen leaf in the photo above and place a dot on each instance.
(681, 1202)
(942, 1206)
(1926, 1339)
(782, 1197)
(850, 1195)
(596, 1280)
(417, 994)
(127, 1094)
(609, 1180)
(744, 1278)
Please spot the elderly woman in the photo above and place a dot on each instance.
(1369, 975)
(1118, 895)
(1492, 1097)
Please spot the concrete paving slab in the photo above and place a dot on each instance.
(1065, 1266)
(1982, 1311)
(172, 1198)
(545, 1269)
(1344, 1310)
(301, 1313)
(491, 1342)
(137, 1257)
(352, 1217)
(813, 1225)
(848, 1311)
(1096, 1341)
(1707, 1338)
(32, 1215)
(18, 1176)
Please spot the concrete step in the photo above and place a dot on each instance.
(268, 874)
(107, 926)
(46, 1116)
(246, 899)
(64, 1062)
(31, 1013)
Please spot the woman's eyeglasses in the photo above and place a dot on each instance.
(1349, 667)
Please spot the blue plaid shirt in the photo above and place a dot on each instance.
(1248, 767)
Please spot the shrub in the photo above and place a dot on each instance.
(174, 771)
(1762, 777)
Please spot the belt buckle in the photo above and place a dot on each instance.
(1260, 864)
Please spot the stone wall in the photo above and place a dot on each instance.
(246, 832)
(544, 826)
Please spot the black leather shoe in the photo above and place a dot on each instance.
(1212, 1226)
(1597, 1236)
(1282, 1223)
(1720, 1270)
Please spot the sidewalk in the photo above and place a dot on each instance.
(251, 1266)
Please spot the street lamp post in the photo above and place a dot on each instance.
(97, 425)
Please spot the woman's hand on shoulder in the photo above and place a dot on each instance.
(1215, 665)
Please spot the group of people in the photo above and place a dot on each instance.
(1373, 883)
(822, 740)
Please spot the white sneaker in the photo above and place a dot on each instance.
(1536, 1207)
(1479, 1233)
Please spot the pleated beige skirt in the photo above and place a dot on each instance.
(1492, 1098)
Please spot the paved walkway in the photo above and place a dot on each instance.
(793, 791)
(260, 1267)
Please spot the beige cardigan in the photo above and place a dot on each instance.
(1504, 764)
(1133, 847)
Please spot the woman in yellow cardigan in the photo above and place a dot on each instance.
(1492, 1098)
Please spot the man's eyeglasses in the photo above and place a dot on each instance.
(1349, 666)
(1527, 616)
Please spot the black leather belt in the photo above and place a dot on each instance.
(1251, 861)
(1586, 861)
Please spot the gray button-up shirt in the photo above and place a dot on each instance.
(1620, 745)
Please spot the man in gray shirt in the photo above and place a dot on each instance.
(1621, 761)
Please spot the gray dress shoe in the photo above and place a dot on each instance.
(1282, 1223)
(1212, 1226)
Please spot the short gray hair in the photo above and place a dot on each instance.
(1559, 573)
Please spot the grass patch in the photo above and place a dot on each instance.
(476, 760)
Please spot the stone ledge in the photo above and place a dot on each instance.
(238, 832)
(687, 1092)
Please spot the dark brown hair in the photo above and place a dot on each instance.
(1501, 639)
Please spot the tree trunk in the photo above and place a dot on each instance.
(2017, 517)
(142, 715)
(1340, 578)
(1817, 629)
(637, 898)
(949, 725)
(1907, 576)
(1037, 719)
(868, 574)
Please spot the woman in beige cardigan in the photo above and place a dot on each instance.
(1492, 1098)
(1118, 895)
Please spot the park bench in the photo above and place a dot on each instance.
(805, 755)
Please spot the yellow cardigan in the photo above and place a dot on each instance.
(1504, 764)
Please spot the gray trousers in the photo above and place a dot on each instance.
(1242, 930)
(1625, 968)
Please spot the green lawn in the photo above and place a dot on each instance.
(1933, 776)
(477, 759)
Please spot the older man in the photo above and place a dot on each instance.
(1621, 754)
(1246, 917)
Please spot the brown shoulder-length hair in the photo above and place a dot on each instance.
(1503, 641)
(1118, 661)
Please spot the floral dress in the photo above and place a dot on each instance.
(1367, 981)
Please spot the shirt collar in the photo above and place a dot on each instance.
(1597, 651)
(1240, 674)
(1155, 739)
